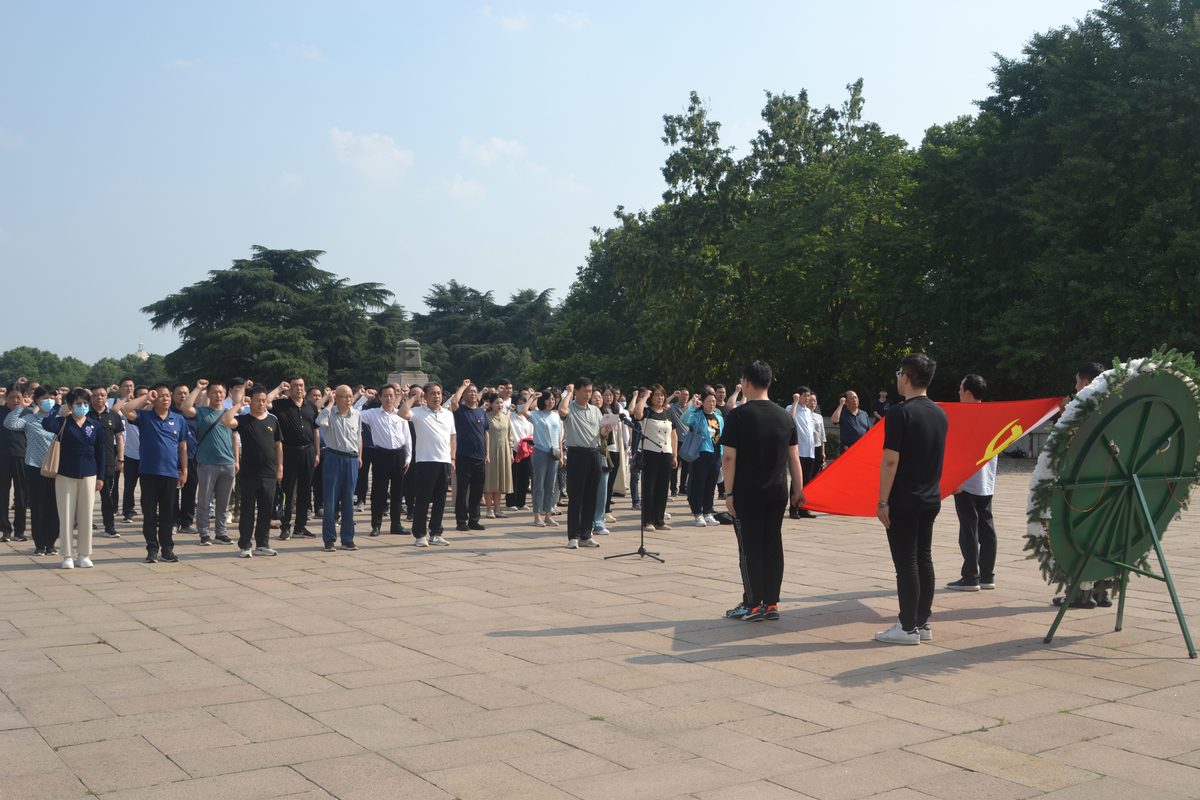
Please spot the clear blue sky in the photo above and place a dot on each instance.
(143, 144)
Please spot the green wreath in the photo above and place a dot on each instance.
(1046, 474)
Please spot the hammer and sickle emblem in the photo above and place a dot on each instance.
(994, 449)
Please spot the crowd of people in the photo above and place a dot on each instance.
(278, 457)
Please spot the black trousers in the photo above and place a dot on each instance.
(131, 479)
(430, 480)
(360, 488)
(976, 537)
(583, 475)
(258, 500)
(387, 488)
(522, 473)
(759, 530)
(808, 469)
(158, 505)
(43, 508)
(611, 484)
(911, 541)
(655, 477)
(702, 482)
(298, 469)
(679, 477)
(318, 486)
(469, 493)
(184, 512)
(108, 500)
(819, 458)
(12, 487)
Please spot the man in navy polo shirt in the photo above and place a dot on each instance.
(163, 467)
(471, 429)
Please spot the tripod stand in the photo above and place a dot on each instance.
(641, 552)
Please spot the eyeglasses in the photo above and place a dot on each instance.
(899, 372)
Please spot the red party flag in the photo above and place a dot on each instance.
(975, 434)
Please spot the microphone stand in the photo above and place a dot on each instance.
(641, 552)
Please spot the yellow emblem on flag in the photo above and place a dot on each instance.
(1014, 432)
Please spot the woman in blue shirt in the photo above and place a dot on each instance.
(547, 454)
(701, 417)
(81, 459)
(43, 511)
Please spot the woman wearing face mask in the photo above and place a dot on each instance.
(81, 459)
(43, 510)
(702, 483)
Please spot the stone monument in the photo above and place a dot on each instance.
(408, 364)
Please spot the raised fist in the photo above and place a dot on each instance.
(202, 384)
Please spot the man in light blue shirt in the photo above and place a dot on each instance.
(806, 445)
(973, 503)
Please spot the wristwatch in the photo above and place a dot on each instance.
(883, 503)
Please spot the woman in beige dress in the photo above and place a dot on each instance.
(497, 470)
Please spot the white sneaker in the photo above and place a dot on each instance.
(609, 518)
(700, 523)
(228, 518)
(511, 508)
(572, 544)
(589, 542)
(666, 517)
(85, 562)
(68, 563)
(522, 508)
(264, 551)
(897, 635)
(438, 541)
(246, 554)
(925, 632)
(601, 532)
(422, 541)
(709, 519)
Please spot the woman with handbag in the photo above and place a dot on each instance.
(701, 418)
(80, 460)
(43, 510)
(547, 454)
(660, 443)
(522, 454)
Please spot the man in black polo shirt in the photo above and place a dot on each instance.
(471, 429)
(261, 469)
(760, 451)
(12, 470)
(910, 496)
(298, 422)
(114, 456)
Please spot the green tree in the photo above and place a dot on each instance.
(41, 365)
(276, 314)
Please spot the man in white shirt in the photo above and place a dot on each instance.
(973, 503)
(433, 461)
(802, 417)
(390, 460)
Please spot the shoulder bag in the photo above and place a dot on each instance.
(50, 462)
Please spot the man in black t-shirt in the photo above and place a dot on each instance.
(879, 408)
(261, 468)
(760, 451)
(298, 423)
(910, 496)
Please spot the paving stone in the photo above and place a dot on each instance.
(971, 752)
(368, 777)
(114, 764)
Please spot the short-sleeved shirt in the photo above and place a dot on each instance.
(657, 427)
(880, 407)
(547, 430)
(582, 426)
(983, 482)
(803, 419)
(431, 434)
(258, 445)
(111, 424)
(761, 434)
(160, 439)
(852, 427)
(916, 430)
(471, 426)
(216, 441)
(295, 421)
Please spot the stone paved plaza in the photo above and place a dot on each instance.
(507, 666)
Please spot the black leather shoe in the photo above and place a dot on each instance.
(375, 532)
(151, 556)
(169, 557)
(461, 528)
(475, 526)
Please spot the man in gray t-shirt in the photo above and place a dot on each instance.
(581, 438)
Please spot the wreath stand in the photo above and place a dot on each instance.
(1120, 483)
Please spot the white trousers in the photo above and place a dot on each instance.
(76, 502)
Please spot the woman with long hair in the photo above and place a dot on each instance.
(497, 474)
(660, 448)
